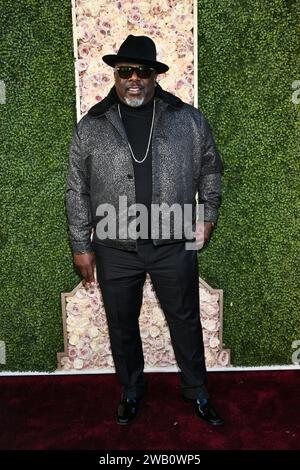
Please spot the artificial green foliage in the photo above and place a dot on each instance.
(37, 121)
(248, 58)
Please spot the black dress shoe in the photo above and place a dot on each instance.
(206, 412)
(127, 410)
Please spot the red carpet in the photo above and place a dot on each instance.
(261, 410)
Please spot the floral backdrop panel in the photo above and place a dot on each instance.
(86, 335)
(100, 27)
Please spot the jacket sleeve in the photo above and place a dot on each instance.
(77, 198)
(209, 184)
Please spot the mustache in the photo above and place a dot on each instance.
(134, 85)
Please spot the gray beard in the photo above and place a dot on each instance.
(134, 102)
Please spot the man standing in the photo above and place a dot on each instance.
(144, 144)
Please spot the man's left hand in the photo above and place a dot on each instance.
(208, 228)
(202, 236)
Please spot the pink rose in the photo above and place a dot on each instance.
(97, 322)
(223, 358)
(83, 32)
(95, 303)
(134, 17)
(105, 79)
(92, 291)
(190, 81)
(66, 364)
(72, 352)
(84, 50)
(182, 51)
(85, 353)
(189, 68)
(73, 309)
(179, 84)
(81, 65)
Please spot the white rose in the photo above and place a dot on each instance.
(183, 8)
(210, 310)
(92, 7)
(144, 7)
(110, 361)
(80, 343)
(184, 23)
(157, 315)
(204, 295)
(71, 320)
(119, 21)
(74, 340)
(214, 342)
(80, 294)
(209, 325)
(159, 342)
(126, 6)
(78, 363)
(95, 345)
(81, 322)
(144, 333)
(94, 332)
(154, 331)
(77, 331)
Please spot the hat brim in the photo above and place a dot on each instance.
(113, 59)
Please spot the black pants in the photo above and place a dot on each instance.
(174, 274)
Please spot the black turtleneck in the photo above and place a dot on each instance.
(137, 123)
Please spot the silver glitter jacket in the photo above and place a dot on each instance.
(185, 160)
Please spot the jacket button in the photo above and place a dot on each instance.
(130, 177)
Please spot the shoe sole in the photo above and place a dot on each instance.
(128, 422)
(191, 400)
(211, 424)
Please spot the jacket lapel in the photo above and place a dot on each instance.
(113, 117)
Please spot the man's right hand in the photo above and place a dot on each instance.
(85, 262)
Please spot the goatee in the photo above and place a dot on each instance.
(134, 102)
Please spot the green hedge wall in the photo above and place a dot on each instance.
(248, 59)
(36, 125)
(249, 56)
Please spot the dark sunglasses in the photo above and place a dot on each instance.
(126, 71)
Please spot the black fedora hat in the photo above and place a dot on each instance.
(139, 49)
